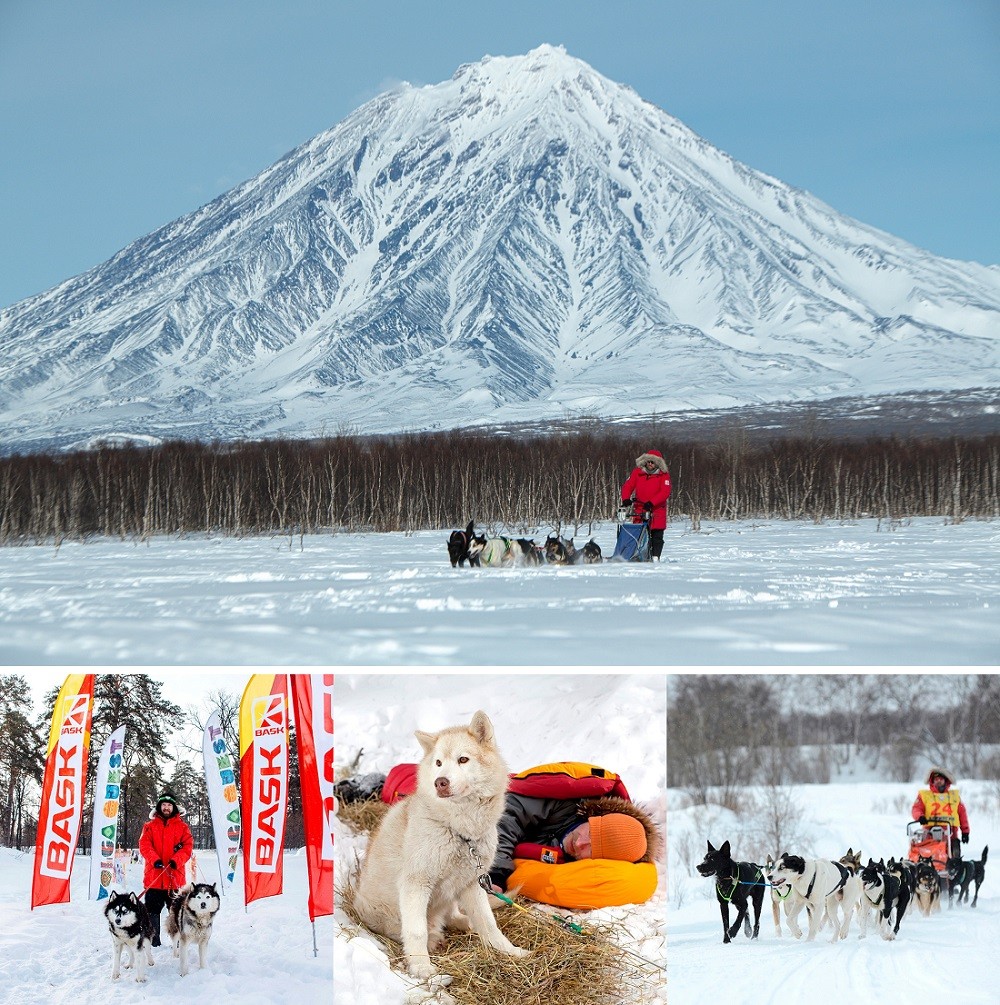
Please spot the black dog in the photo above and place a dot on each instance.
(897, 896)
(458, 547)
(963, 872)
(739, 883)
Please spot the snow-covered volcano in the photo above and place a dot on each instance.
(526, 240)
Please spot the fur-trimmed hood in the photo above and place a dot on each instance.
(652, 455)
(948, 776)
(614, 804)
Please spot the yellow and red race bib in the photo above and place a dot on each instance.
(942, 805)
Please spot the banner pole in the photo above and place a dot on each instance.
(315, 950)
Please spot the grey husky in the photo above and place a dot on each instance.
(425, 864)
(190, 919)
(131, 930)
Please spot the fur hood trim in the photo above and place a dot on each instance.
(652, 455)
(949, 778)
(155, 812)
(615, 804)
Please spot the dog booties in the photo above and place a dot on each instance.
(589, 883)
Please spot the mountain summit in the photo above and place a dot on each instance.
(526, 240)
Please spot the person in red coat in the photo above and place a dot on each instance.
(647, 490)
(166, 845)
(939, 801)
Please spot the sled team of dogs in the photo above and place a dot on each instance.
(833, 892)
(189, 923)
(503, 552)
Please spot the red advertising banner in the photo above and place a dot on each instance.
(263, 783)
(313, 698)
(63, 788)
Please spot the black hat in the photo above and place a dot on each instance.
(168, 797)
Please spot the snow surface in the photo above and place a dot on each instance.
(949, 957)
(618, 722)
(62, 953)
(918, 592)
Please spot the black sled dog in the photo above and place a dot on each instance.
(963, 872)
(736, 883)
(458, 547)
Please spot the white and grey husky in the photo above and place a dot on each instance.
(132, 930)
(422, 870)
(190, 919)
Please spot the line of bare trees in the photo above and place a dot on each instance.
(419, 481)
(726, 732)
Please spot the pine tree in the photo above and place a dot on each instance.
(21, 756)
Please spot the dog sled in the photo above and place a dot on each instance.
(931, 842)
(632, 542)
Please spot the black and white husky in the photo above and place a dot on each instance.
(132, 930)
(885, 893)
(190, 919)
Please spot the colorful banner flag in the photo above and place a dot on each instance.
(107, 800)
(223, 800)
(313, 697)
(63, 788)
(263, 783)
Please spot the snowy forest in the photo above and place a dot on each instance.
(434, 480)
(727, 731)
(152, 760)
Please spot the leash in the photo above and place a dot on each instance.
(487, 884)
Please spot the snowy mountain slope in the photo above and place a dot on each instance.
(871, 816)
(528, 239)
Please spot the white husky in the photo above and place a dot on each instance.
(423, 866)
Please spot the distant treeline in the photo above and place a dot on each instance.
(442, 480)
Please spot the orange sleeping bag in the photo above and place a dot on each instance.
(589, 883)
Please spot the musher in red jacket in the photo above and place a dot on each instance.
(166, 845)
(650, 484)
(939, 801)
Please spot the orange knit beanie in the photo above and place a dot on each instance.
(617, 836)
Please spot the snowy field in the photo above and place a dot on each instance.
(61, 954)
(948, 957)
(618, 722)
(855, 593)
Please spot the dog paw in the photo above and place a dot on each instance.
(436, 943)
(421, 969)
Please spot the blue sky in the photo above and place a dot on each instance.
(117, 116)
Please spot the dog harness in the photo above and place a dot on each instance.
(736, 881)
(844, 875)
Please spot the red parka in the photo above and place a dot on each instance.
(164, 839)
(653, 488)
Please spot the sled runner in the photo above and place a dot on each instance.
(632, 543)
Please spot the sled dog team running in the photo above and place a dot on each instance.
(642, 521)
(835, 892)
